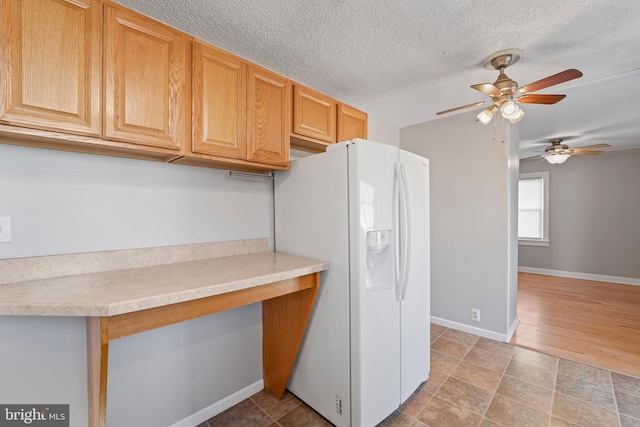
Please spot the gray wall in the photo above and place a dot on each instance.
(474, 246)
(66, 203)
(594, 217)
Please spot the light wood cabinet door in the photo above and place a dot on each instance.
(268, 116)
(50, 64)
(314, 114)
(147, 80)
(219, 103)
(352, 123)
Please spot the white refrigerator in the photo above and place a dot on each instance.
(364, 208)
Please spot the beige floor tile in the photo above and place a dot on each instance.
(436, 331)
(302, 416)
(478, 376)
(626, 421)
(443, 363)
(534, 358)
(400, 419)
(486, 360)
(538, 376)
(461, 337)
(415, 403)
(245, 413)
(463, 394)
(526, 393)
(598, 376)
(511, 413)
(582, 413)
(434, 382)
(626, 383)
(440, 413)
(628, 404)
(450, 348)
(586, 391)
(495, 347)
(274, 407)
(559, 422)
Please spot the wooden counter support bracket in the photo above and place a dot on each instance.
(286, 307)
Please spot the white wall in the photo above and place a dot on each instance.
(594, 216)
(68, 202)
(473, 214)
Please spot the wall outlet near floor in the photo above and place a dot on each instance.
(5, 229)
(475, 314)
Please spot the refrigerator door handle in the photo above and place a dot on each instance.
(405, 230)
(397, 252)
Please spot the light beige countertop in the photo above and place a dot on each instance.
(119, 291)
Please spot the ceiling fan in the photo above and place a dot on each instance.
(505, 93)
(558, 152)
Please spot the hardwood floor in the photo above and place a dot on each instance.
(591, 322)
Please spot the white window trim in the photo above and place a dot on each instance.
(544, 175)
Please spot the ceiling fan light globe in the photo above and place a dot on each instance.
(556, 159)
(518, 116)
(509, 110)
(486, 116)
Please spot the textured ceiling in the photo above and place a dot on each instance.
(404, 60)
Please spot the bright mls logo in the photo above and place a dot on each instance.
(34, 415)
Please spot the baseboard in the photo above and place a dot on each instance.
(584, 276)
(473, 330)
(220, 406)
(512, 329)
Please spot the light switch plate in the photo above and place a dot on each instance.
(5, 229)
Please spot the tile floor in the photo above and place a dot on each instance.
(475, 381)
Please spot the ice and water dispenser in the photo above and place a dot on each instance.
(379, 261)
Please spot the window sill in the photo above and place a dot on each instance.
(533, 242)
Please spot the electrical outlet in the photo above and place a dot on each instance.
(475, 314)
(5, 229)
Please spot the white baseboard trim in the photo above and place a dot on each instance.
(512, 329)
(220, 406)
(473, 330)
(584, 276)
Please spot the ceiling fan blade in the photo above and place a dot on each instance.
(562, 77)
(540, 99)
(586, 153)
(487, 89)
(475, 104)
(592, 147)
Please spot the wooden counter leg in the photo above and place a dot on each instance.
(284, 320)
(97, 358)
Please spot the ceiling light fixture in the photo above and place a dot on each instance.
(486, 116)
(509, 109)
(518, 116)
(556, 159)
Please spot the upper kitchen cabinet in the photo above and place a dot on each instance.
(50, 64)
(147, 80)
(241, 113)
(219, 103)
(268, 116)
(314, 114)
(352, 123)
(319, 121)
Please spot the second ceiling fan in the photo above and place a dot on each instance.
(505, 93)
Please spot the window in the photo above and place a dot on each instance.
(533, 209)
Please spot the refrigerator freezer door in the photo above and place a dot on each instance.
(311, 220)
(375, 313)
(415, 306)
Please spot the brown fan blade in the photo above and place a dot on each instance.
(540, 99)
(562, 77)
(586, 153)
(475, 104)
(592, 147)
(487, 89)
